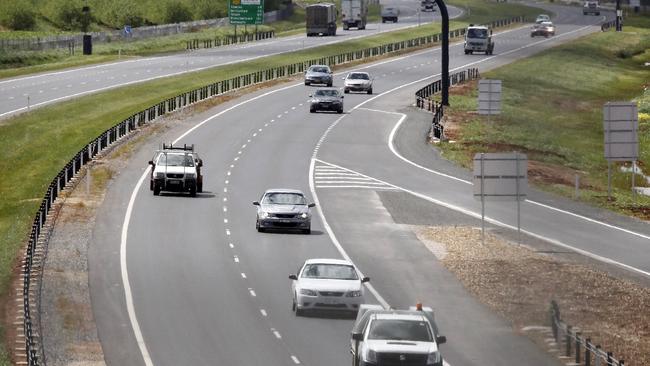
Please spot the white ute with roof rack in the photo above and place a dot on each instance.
(395, 337)
(176, 169)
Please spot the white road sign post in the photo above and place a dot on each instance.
(621, 127)
(500, 177)
(489, 97)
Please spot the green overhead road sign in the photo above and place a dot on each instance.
(246, 11)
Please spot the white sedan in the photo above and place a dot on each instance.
(358, 82)
(327, 284)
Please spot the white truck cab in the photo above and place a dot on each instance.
(478, 38)
(400, 337)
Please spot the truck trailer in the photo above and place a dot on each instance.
(354, 14)
(321, 19)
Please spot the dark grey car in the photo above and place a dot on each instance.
(283, 209)
(326, 100)
(318, 74)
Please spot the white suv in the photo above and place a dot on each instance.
(176, 169)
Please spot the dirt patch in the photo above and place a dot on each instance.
(519, 283)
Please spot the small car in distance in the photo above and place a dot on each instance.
(327, 284)
(319, 74)
(542, 18)
(545, 29)
(283, 209)
(357, 81)
(326, 100)
(591, 7)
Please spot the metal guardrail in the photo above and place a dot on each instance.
(230, 39)
(39, 232)
(424, 101)
(576, 344)
(608, 25)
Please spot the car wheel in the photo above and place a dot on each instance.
(329, 84)
(383, 20)
(193, 191)
(150, 185)
(199, 187)
(370, 91)
(156, 189)
(346, 91)
(312, 110)
(258, 227)
(470, 52)
(299, 312)
(340, 111)
(307, 83)
(307, 230)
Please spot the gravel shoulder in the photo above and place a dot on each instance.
(518, 281)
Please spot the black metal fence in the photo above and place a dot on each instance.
(34, 353)
(576, 345)
(424, 101)
(608, 25)
(230, 39)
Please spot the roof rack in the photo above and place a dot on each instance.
(185, 147)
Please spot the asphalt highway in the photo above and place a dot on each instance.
(177, 280)
(46, 88)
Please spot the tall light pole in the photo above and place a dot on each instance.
(445, 51)
(619, 16)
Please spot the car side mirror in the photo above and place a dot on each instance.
(311, 205)
(365, 279)
(256, 203)
(150, 162)
(311, 95)
(293, 277)
(441, 339)
(356, 336)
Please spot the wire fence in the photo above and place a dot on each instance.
(575, 344)
(424, 101)
(40, 231)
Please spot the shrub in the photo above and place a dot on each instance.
(176, 12)
(18, 16)
(66, 14)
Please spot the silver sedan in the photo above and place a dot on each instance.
(283, 209)
(358, 81)
(327, 284)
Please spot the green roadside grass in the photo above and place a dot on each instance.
(552, 110)
(37, 144)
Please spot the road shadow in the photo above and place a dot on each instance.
(290, 232)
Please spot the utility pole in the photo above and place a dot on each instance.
(445, 51)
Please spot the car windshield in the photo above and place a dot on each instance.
(399, 329)
(167, 159)
(281, 198)
(318, 69)
(330, 271)
(477, 33)
(326, 93)
(356, 75)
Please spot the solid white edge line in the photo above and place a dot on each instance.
(499, 223)
(125, 275)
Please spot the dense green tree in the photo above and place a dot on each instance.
(176, 12)
(18, 15)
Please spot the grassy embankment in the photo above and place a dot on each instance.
(552, 110)
(25, 137)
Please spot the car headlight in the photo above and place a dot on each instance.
(370, 356)
(308, 292)
(304, 215)
(353, 293)
(264, 214)
(160, 175)
(434, 358)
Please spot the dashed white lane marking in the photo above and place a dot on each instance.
(243, 146)
(226, 182)
(295, 360)
(225, 190)
(239, 152)
(232, 165)
(236, 158)
(236, 259)
(252, 292)
(266, 125)
(10, 98)
(255, 134)
(259, 129)
(227, 232)
(225, 221)
(286, 112)
(243, 275)
(225, 209)
(225, 199)
(293, 108)
(300, 104)
(249, 140)
(263, 312)
(228, 173)
(276, 333)
(231, 245)
(272, 120)
(279, 116)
